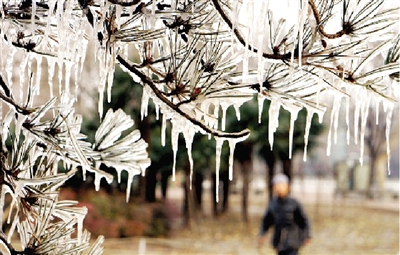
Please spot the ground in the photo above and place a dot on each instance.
(339, 226)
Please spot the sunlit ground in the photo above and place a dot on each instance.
(339, 226)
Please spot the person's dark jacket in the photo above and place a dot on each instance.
(290, 223)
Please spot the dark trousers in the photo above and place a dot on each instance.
(289, 252)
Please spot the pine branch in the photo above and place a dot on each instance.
(6, 97)
(242, 40)
(146, 80)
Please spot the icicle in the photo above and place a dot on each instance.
(297, 25)
(76, 79)
(337, 103)
(174, 143)
(359, 99)
(260, 101)
(157, 111)
(68, 67)
(29, 67)
(348, 120)
(214, 123)
(110, 74)
(163, 128)
(218, 148)
(60, 76)
(38, 74)
(188, 134)
(97, 179)
(303, 14)
(101, 99)
(129, 185)
(387, 132)
(377, 111)
(309, 117)
(273, 120)
(2, 199)
(293, 117)
(22, 68)
(144, 104)
(224, 107)
(9, 66)
(235, 15)
(80, 218)
(232, 144)
(237, 111)
(51, 66)
(364, 117)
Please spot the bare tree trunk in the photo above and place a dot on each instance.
(270, 160)
(188, 200)
(164, 184)
(198, 188)
(150, 186)
(270, 175)
(247, 168)
(287, 168)
(225, 193)
(370, 192)
(214, 196)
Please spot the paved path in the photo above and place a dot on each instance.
(317, 197)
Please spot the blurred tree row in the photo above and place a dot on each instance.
(125, 95)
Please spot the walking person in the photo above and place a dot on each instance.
(291, 226)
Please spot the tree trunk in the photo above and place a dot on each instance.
(225, 190)
(270, 161)
(287, 168)
(246, 168)
(188, 200)
(198, 188)
(214, 195)
(370, 192)
(151, 183)
(164, 184)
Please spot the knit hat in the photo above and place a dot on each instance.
(280, 178)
